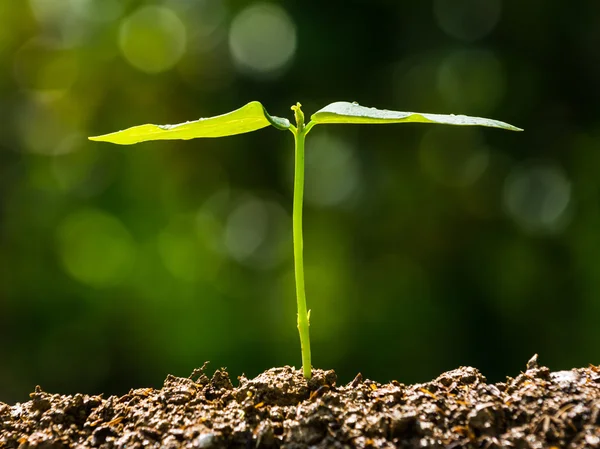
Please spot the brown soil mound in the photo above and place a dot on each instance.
(459, 409)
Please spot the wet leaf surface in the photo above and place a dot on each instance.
(279, 408)
(248, 118)
(345, 112)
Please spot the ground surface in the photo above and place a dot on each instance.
(459, 409)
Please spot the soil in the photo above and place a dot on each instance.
(280, 409)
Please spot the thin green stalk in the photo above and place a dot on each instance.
(303, 316)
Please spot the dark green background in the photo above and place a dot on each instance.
(426, 247)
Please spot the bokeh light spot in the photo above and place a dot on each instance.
(80, 173)
(246, 229)
(257, 233)
(209, 19)
(95, 248)
(179, 254)
(48, 10)
(97, 10)
(332, 173)
(62, 19)
(537, 196)
(43, 66)
(467, 20)
(262, 39)
(42, 129)
(453, 157)
(181, 249)
(472, 80)
(152, 39)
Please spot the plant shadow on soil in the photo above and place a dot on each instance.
(279, 408)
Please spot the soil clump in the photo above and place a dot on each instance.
(280, 409)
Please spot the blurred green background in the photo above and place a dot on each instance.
(426, 247)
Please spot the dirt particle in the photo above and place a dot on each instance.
(40, 400)
(357, 381)
(178, 390)
(485, 419)
(403, 424)
(593, 441)
(41, 440)
(204, 441)
(565, 379)
(100, 434)
(149, 432)
(532, 363)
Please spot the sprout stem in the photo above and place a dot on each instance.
(303, 323)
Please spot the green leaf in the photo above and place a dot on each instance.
(248, 118)
(344, 112)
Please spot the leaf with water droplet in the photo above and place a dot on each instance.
(344, 112)
(250, 117)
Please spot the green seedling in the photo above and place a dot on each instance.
(254, 116)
